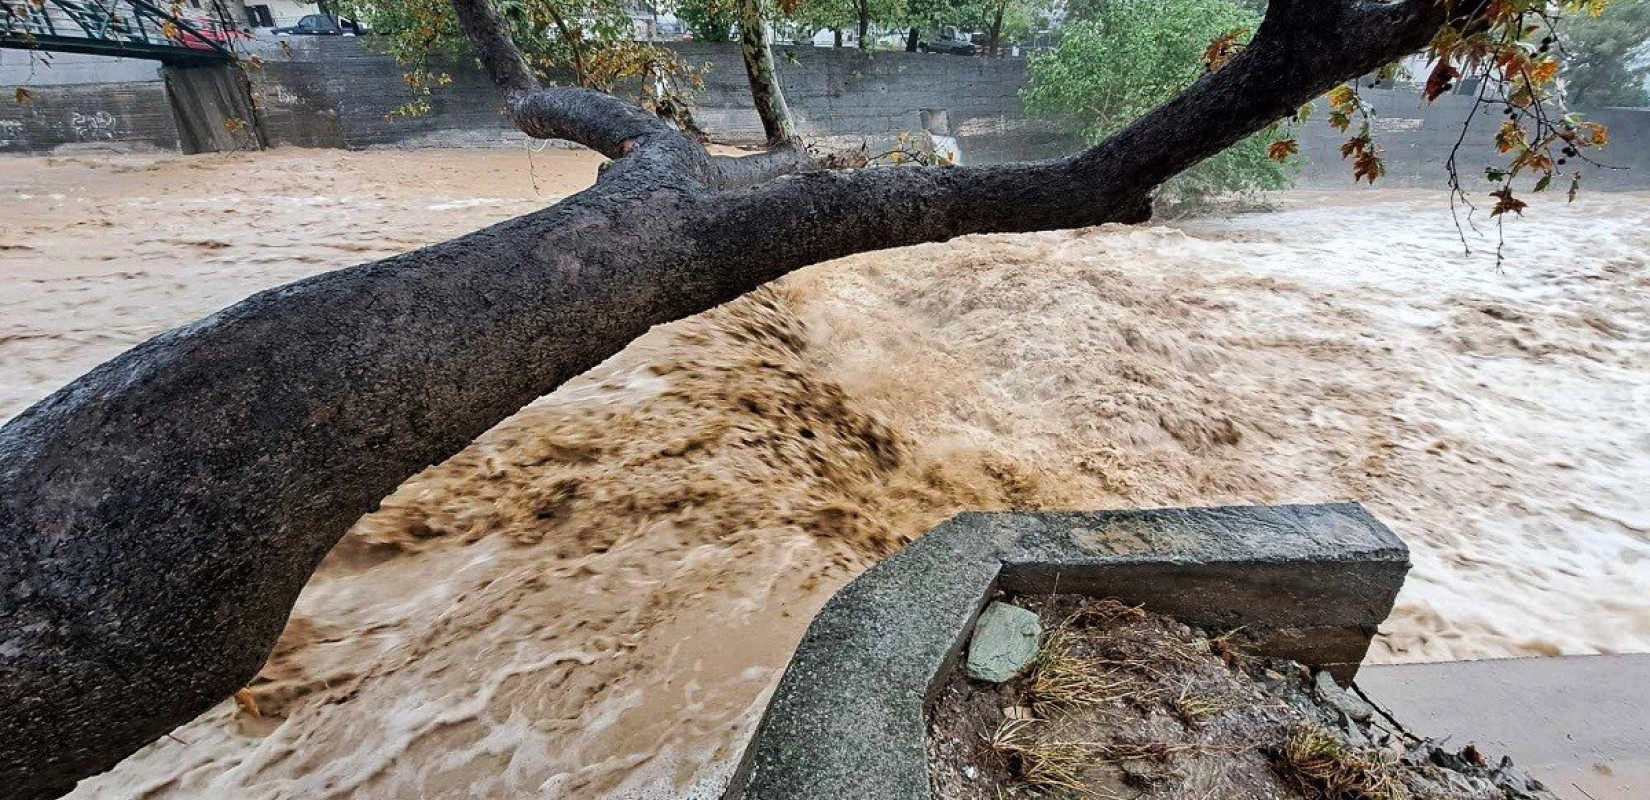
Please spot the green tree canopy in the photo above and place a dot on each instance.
(1608, 56)
(709, 20)
(1129, 57)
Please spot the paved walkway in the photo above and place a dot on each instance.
(1581, 724)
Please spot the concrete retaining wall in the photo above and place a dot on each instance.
(212, 108)
(336, 92)
(101, 114)
(1416, 137)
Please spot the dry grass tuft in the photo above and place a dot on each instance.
(1324, 766)
(1061, 678)
(1046, 764)
(1042, 764)
(1196, 709)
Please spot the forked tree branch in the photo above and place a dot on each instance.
(159, 515)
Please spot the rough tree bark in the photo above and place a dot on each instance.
(159, 515)
(766, 92)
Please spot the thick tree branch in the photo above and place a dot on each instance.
(159, 515)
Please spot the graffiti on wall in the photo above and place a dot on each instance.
(94, 127)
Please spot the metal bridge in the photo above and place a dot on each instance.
(125, 28)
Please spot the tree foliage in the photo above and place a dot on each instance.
(587, 39)
(1607, 58)
(845, 15)
(1129, 57)
(1014, 19)
(1511, 50)
(709, 20)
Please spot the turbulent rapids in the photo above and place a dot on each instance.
(593, 599)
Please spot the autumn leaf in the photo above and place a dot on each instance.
(1441, 79)
(1512, 60)
(1368, 166)
(1510, 136)
(1543, 73)
(1444, 42)
(1221, 49)
(1598, 135)
(1357, 145)
(24, 95)
(1282, 149)
(1342, 97)
(1505, 202)
(1534, 160)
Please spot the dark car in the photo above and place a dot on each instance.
(956, 47)
(321, 25)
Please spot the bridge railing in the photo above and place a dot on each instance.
(134, 28)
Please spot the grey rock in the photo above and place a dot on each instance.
(1346, 702)
(1005, 641)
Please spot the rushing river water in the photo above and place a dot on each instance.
(593, 599)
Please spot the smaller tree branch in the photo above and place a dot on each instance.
(597, 120)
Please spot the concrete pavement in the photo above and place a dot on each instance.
(1580, 724)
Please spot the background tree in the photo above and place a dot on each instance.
(709, 20)
(160, 514)
(591, 40)
(1130, 56)
(1607, 58)
(857, 15)
(1005, 22)
(766, 92)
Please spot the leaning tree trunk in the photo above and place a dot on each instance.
(159, 515)
(996, 33)
(766, 92)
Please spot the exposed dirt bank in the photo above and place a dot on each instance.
(593, 598)
(1122, 703)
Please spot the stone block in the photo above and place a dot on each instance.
(849, 716)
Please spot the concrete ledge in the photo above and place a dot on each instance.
(848, 717)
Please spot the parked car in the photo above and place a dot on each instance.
(956, 47)
(320, 25)
(208, 32)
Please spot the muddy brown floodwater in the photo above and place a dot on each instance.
(593, 599)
